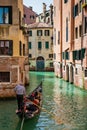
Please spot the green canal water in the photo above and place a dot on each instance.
(64, 106)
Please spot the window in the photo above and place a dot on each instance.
(5, 76)
(51, 64)
(76, 32)
(79, 54)
(47, 45)
(5, 15)
(29, 45)
(39, 32)
(75, 10)
(47, 32)
(30, 33)
(30, 55)
(80, 30)
(24, 15)
(20, 19)
(31, 17)
(20, 48)
(54, 55)
(85, 71)
(58, 37)
(50, 55)
(65, 55)
(65, 1)
(23, 49)
(39, 45)
(85, 25)
(66, 29)
(6, 47)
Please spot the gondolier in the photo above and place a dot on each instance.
(31, 106)
(20, 93)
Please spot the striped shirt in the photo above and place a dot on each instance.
(20, 90)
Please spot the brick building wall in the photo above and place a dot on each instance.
(13, 44)
(29, 15)
(73, 42)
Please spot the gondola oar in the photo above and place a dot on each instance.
(22, 123)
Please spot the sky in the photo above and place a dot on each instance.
(37, 4)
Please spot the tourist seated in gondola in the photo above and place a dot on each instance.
(36, 98)
(29, 106)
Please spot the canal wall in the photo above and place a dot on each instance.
(16, 71)
(7, 90)
(72, 74)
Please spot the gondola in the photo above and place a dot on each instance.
(32, 104)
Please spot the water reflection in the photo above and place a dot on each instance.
(70, 106)
(65, 106)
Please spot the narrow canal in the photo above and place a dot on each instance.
(65, 106)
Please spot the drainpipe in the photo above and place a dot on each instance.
(82, 32)
(61, 22)
(72, 28)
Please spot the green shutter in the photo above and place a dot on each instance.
(47, 45)
(66, 55)
(39, 45)
(30, 33)
(29, 45)
(82, 53)
(78, 55)
(74, 55)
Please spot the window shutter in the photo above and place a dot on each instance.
(74, 55)
(30, 33)
(82, 53)
(78, 55)
(10, 15)
(20, 48)
(23, 49)
(29, 45)
(11, 48)
(39, 45)
(46, 45)
(66, 55)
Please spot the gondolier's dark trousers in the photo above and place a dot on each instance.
(20, 102)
